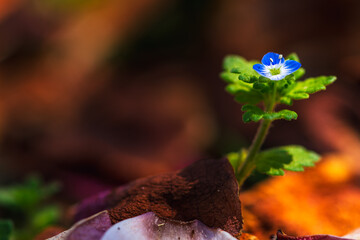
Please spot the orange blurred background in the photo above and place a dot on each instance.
(98, 93)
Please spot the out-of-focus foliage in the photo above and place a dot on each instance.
(28, 206)
(6, 228)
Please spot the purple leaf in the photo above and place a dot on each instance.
(92, 228)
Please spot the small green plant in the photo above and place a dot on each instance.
(26, 210)
(261, 87)
(6, 229)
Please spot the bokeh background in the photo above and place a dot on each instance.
(94, 94)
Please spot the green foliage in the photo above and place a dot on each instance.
(244, 93)
(45, 216)
(26, 196)
(302, 89)
(293, 56)
(239, 65)
(27, 205)
(6, 229)
(248, 87)
(237, 158)
(254, 113)
(293, 158)
(241, 78)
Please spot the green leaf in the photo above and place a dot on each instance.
(312, 85)
(301, 158)
(28, 195)
(293, 56)
(45, 216)
(6, 229)
(286, 100)
(263, 79)
(299, 73)
(236, 88)
(283, 114)
(239, 65)
(244, 78)
(272, 162)
(258, 85)
(298, 95)
(254, 113)
(244, 93)
(293, 158)
(229, 77)
(233, 159)
(240, 75)
(301, 89)
(290, 77)
(237, 158)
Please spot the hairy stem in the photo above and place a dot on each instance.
(248, 165)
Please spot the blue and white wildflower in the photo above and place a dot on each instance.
(275, 67)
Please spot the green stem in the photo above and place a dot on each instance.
(249, 164)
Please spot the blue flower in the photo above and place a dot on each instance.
(275, 67)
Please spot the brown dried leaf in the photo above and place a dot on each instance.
(206, 190)
(281, 236)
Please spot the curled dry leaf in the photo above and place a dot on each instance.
(281, 236)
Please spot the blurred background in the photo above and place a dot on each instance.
(94, 94)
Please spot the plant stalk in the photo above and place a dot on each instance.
(249, 164)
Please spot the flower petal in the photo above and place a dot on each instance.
(291, 66)
(278, 77)
(262, 70)
(275, 59)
